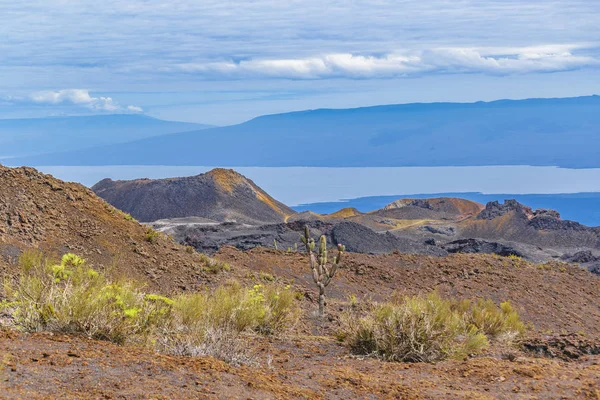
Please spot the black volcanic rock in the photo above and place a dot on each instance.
(440, 230)
(494, 209)
(219, 195)
(481, 246)
(360, 239)
(549, 222)
(581, 257)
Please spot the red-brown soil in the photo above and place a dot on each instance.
(46, 366)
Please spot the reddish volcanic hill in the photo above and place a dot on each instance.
(219, 195)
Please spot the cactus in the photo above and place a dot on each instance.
(322, 274)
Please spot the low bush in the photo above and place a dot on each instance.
(428, 328)
(151, 235)
(500, 323)
(214, 266)
(72, 297)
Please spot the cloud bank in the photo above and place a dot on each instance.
(74, 97)
(495, 61)
(181, 58)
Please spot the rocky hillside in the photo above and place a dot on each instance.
(516, 222)
(39, 211)
(219, 195)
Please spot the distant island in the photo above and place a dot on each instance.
(538, 132)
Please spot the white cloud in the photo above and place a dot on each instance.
(495, 61)
(135, 109)
(81, 97)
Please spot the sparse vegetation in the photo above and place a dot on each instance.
(126, 216)
(322, 274)
(496, 322)
(265, 276)
(214, 266)
(428, 328)
(72, 297)
(151, 235)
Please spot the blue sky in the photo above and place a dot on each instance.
(223, 62)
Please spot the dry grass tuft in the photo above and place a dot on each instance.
(428, 328)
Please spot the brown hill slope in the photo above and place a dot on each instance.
(219, 195)
(39, 211)
(442, 208)
(516, 222)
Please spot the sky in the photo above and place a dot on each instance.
(222, 62)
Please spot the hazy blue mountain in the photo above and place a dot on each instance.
(20, 137)
(561, 132)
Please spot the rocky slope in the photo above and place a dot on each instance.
(219, 195)
(39, 211)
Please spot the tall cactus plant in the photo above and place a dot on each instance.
(322, 273)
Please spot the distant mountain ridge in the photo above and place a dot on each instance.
(23, 137)
(541, 132)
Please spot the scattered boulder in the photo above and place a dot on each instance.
(440, 230)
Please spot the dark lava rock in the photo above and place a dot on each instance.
(440, 230)
(494, 209)
(546, 212)
(549, 222)
(481, 246)
(421, 203)
(581, 257)
(566, 347)
(360, 239)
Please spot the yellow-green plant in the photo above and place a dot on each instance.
(496, 322)
(70, 296)
(151, 235)
(422, 329)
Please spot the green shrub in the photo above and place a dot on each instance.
(151, 235)
(264, 309)
(214, 266)
(126, 216)
(502, 322)
(72, 297)
(428, 328)
(265, 276)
